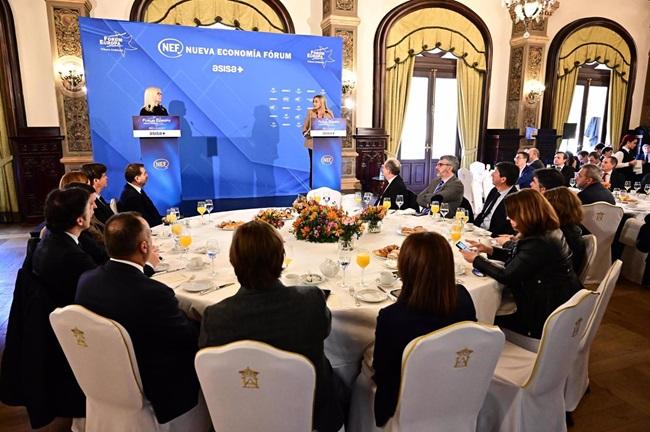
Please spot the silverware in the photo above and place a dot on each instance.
(168, 271)
(390, 296)
(209, 290)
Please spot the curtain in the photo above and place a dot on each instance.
(252, 14)
(8, 198)
(563, 98)
(470, 90)
(398, 80)
(617, 95)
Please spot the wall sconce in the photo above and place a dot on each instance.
(348, 82)
(533, 90)
(70, 75)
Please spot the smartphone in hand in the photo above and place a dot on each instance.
(462, 246)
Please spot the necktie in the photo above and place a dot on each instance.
(488, 208)
(439, 187)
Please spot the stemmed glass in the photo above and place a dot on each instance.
(572, 182)
(345, 256)
(399, 200)
(367, 197)
(288, 255)
(363, 259)
(617, 194)
(200, 207)
(212, 250)
(637, 186)
(185, 240)
(435, 208)
(628, 185)
(646, 189)
(170, 219)
(178, 212)
(177, 230)
(386, 203)
(444, 209)
(456, 231)
(209, 206)
(357, 198)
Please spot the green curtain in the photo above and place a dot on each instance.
(398, 80)
(470, 90)
(563, 98)
(617, 94)
(8, 198)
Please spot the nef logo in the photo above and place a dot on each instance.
(327, 159)
(170, 48)
(161, 164)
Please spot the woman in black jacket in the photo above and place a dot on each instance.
(568, 208)
(429, 300)
(538, 270)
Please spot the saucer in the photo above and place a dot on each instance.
(387, 264)
(371, 295)
(197, 285)
(383, 285)
(312, 279)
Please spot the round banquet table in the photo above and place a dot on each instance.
(353, 327)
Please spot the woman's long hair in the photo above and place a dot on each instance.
(323, 103)
(150, 97)
(566, 204)
(532, 213)
(426, 266)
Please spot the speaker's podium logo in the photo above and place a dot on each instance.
(161, 164)
(327, 159)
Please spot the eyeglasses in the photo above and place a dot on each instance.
(443, 164)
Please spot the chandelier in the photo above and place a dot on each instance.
(528, 10)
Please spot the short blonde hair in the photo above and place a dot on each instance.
(150, 97)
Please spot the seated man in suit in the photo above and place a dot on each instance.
(583, 158)
(525, 171)
(445, 188)
(612, 179)
(594, 158)
(96, 173)
(134, 198)
(590, 181)
(644, 157)
(493, 216)
(391, 169)
(561, 163)
(164, 340)
(290, 318)
(533, 158)
(546, 178)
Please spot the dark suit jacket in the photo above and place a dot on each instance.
(499, 224)
(164, 340)
(132, 200)
(397, 187)
(103, 210)
(643, 244)
(397, 325)
(450, 193)
(537, 164)
(293, 319)
(573, 236)
(596, 192)
(616, 180)
(34, 371)
(526, 177)
(568, 172)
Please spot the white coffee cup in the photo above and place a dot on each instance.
(292, 278)
(387, 278)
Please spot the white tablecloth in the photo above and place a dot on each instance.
(352, 327)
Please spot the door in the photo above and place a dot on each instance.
(430, 123)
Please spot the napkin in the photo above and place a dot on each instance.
(172, 280)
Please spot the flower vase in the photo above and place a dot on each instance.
(374, 227)
(346, 244)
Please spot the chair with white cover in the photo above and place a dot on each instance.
(252, 386)
(327, 196)
(113, 205)
(633, 259)
(478, 172)
(466, 177)
(591, 248)
(602, 220)
(527, 390)
(487, 184)
(445, 376)
(578, 379)
(101, 356)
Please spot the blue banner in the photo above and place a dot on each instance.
(241, 98)
(326, 163)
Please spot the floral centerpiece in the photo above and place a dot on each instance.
(301, 203)
(373, 215)
(349, 228)
(317, 223)
(271, 216)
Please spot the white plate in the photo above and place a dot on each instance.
(197, 285)
(162, 267)
(312, 279)
(371, 295)
(195, 268)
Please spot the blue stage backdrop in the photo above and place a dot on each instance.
(241, 98)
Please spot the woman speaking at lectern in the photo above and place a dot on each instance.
(153, 103)
(319, 110)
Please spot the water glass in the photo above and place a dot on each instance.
(444, 209)
(345, 256)
(628, 185)
(209, 206)
(399, 200)
(637, 186)
(212, 250)
(357, 198)
(200, 208)
(646, 189)
(367, 197)
(572, 182)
